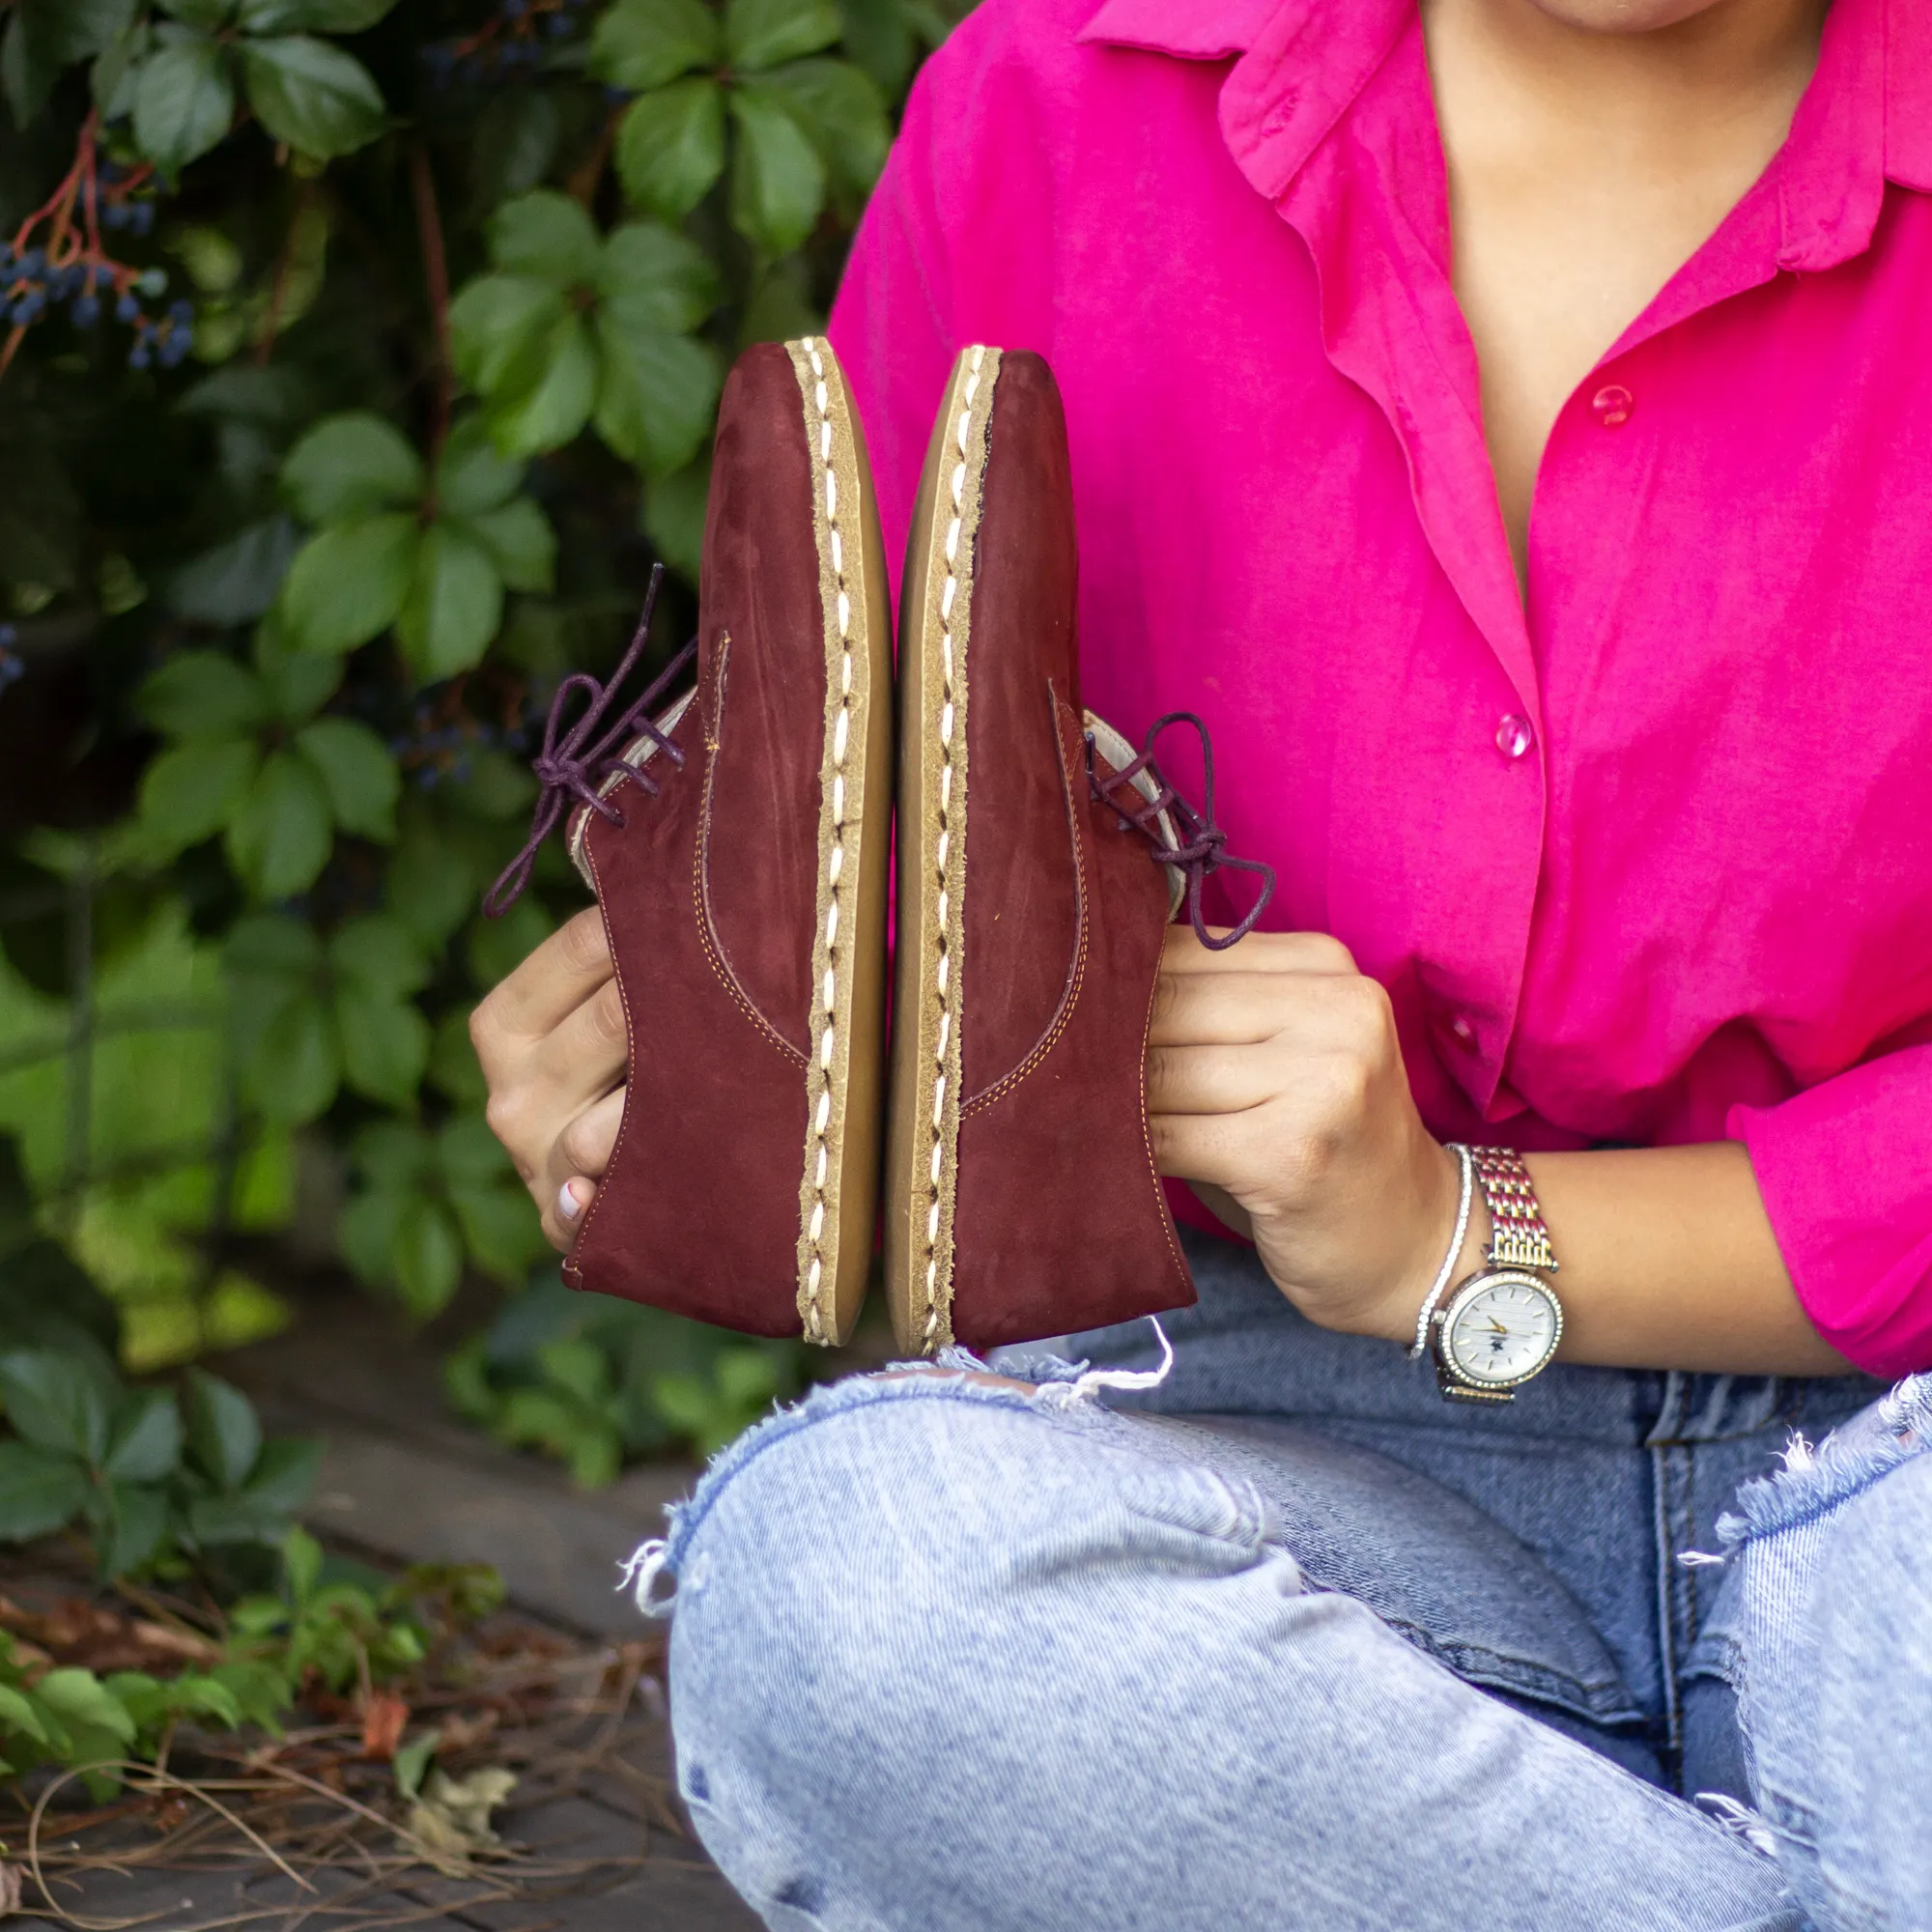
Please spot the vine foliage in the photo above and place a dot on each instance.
(358, 358)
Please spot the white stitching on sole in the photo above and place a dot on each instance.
(947, 593)
(834, 864)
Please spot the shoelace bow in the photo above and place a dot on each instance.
(573, 763)
(1200, 847)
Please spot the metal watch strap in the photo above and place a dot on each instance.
(1518, 1240)
(1517, 1237)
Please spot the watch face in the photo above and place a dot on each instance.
(1503, 1328)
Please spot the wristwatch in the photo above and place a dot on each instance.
(1500, 1326)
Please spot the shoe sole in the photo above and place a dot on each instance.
(935, 631)
(838, 1188)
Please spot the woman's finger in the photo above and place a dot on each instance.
(564, 1214)
(583, 1056)
(583, 1148)
(1209, 1079)
(556, 979)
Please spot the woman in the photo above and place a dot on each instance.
(1508, 423)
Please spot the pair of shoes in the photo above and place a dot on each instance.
(739, 836)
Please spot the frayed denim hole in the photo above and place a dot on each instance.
(802, 1895)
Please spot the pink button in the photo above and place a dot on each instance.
(1514, 737)
(1464, 1034)
(1612, 406)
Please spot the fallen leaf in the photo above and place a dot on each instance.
(384, 1718)
(452, 1816)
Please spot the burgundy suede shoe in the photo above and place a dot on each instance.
(738, 844)
(1021, 1196)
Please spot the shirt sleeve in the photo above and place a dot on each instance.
(1845, 1169)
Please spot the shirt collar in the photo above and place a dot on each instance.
(1302, 63)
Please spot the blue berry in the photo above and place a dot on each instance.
(9, 636)
(181, 313)
(86, 312)
(114, 215)
(559, 25)
(141, 217)
(127, 309)
(33, 262)
(138, 356)
(174, 351)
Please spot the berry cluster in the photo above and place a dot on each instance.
(67, 263)
(12, 669)
(511, 43)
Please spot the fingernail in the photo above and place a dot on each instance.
(568, 1206)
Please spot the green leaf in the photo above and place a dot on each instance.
(761, 33)
(671, 147)
(394, 1156)
(79, 1699)
(311, 16)
(366, 1232)
(225, 1435)
(500, 1228)
(293, 1069)
(19, 1711)
(147, 1437)
(137, 1529)
(58, 1401)
(299, 683)
(658, 397)
(348, 466)
(843, 112)
(777, 181)
(191, 791)
(237, 581)
(545, 235)
(877, 33)
(412, 1762)
(547, 410)
(672, 514)
(280, 838)
(207, 15)
(652, 278)
(384, 1045)
(270, 945)
(184, 102)
(348, 585)
(427, 1258)
(520, 542)
(321, 100)
(470, 1155)
(380, 955)
(358, 773)
(453, 1069)
(454, 605)
(39, 1493)
(284, 1474)
(473, 476)
(46, 36)
(643, 44)
(201, 695)
(501, 332)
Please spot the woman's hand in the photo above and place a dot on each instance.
(1275, 1083)
(553, 1047)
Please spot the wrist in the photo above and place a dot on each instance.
(1428, 1260)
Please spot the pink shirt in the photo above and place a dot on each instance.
(1649, 860)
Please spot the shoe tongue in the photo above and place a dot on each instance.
(1118, 754)
(637, 754)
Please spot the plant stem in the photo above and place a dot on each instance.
(436, 273)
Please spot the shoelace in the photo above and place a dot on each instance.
(1200, 849)
(572, 764)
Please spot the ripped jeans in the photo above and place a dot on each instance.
(1288, 1641)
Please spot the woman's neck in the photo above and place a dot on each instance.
(1592, 147)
